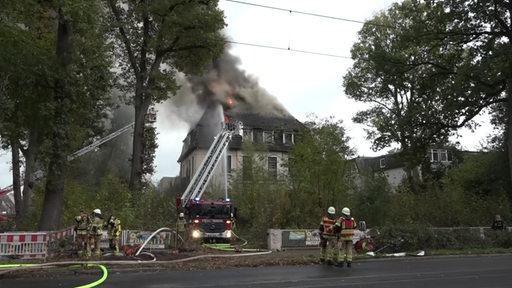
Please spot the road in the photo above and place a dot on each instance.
(448, 271)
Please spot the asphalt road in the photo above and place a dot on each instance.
(449, 271)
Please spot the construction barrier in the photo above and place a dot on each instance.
(279, 239)
(161, 240)
(40, 245)
(24, 245)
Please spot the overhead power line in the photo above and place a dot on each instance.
(298, 12)
(289, 49)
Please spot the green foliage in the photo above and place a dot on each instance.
(392, 239)
(318, 166)
(415, 60)
(372, 199)
(261, 201)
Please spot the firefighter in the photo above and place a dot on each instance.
(181, 226)
(346, 225)
(327, 236)
(82, 234)
(113, 227)
(95, 231)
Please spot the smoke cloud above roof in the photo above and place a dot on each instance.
(224, 82)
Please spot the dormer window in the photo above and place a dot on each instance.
(288, 138)
(268, 137)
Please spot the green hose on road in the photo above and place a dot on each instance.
(90, 285)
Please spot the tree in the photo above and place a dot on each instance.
(319, 168)
(420, 80)
(80, 83)
(156, 39)
(24, 60)
(56, 76)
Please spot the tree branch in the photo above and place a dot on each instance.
(124, 36)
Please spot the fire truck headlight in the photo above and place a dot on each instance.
(228, 234)
(196, 234)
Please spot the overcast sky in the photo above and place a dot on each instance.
(307, 82)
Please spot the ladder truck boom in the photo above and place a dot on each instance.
(100, 141)
(200, 180)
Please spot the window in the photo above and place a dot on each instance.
(257, 135)
(288, 138)
(272, 166)
(268, 137)
(228, 164)
(247, 134)
(439, 155)
(434, 156)
(443, 155)
(382, 162)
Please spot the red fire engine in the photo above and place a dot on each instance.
(209, 221)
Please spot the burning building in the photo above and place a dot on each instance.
(227, 92)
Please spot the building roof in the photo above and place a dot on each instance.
(210, 124)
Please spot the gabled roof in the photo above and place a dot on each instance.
(202, 135)
(267, 122)
(391, 161)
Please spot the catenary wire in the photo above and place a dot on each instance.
(298, 12)
(303, 13)
(288, 49)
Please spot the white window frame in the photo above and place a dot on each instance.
(268, 137)
(291, 140)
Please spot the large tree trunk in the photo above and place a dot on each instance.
(30, 169)
(54, 196)
(135, 184)
(16, 181)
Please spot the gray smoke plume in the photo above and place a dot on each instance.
(223, 82)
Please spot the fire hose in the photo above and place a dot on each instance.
(6, 268)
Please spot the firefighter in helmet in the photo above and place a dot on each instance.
(327, 236)
(181, 226)
(82, 234)
(113, 227)
(346, 225)
(95, 232)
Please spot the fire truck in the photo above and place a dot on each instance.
(209, 220)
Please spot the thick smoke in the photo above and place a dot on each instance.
(222, 81)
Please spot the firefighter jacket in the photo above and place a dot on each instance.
(326, 226)
(82, 224)
(96, 226)
(348, 226)
(113, 227)
(181, 225)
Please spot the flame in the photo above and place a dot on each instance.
(230, 102)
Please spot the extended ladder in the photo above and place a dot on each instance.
(100, 141)
(198, 184)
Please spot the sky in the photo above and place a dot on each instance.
(307, 82)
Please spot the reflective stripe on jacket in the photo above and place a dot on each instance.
(82, 225)
(348, 226)
(96, 227)
(328, 224)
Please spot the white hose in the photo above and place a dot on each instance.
(151, 236)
